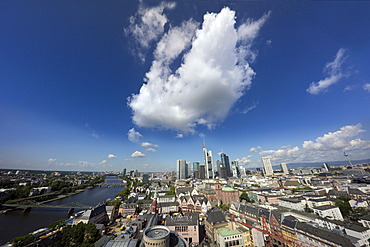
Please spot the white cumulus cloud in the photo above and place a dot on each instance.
(147, 26)
(111, 156)
(330, 146)
(148, 144)
(134, 135)
(137, 154)
(254, 149)
(366, 87)
(51, 160)
(333, 71)
(151, 150)
(212, 76)
(179, 135)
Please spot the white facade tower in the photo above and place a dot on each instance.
(284, 168)
(208, 162)
(267, 166)
(181, 169)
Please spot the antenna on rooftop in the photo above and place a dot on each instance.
(346, 155)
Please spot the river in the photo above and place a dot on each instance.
(16, 223)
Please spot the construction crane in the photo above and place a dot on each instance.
(265, 230)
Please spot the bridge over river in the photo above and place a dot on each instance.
(37, 205)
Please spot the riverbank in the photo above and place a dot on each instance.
(16, 223)
(4, 210)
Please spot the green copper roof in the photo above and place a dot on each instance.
(227, 189)
(225, 232)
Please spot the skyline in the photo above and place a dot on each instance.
(139, 85)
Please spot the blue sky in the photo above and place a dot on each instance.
(97, 85)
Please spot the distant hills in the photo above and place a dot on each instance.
(320, 164)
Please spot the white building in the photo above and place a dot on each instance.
(284, 168)
(226, 237)
(332, 212)
(292, 203)
(181, 169)
(208, 161)
(267, 166)
(360, 232)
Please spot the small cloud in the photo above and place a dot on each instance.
(86, 164)
(93, 132)
(366, 87)
(251, 107)
(51, 160)
(146, 26)
(111, 156)
(95, 135)
(334, 72)
(179, 135)
(137, 154)
(103, 162)
(255, 149)
(148, 144)
(269, 42)
(348, 88)
(151, 150)
(128, 159)
(134, 135)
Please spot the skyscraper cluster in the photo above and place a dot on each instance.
(222, 168)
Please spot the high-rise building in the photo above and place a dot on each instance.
(181, 169)
(284, 168)
(196, 169)
(124, 172)
(267, 166)
(226, 164)
(326, 167)
(187, 169)
(208, 162)
(235, 169)
(202, 171)
(145, 178)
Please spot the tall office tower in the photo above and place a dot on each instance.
(326, 167)
(284, 168)
(226, 164)
(208, 162)
(196, 169)
(187, 169)
(181, 169)
(242, 171)
(219, 167)
(202, 171)
(267, 166)
(235, 169)
(124, 172)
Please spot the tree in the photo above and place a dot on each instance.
(344, 206)
(80, 235)
(171, 191)
(23, 240)
(224, 207)
(244, 196)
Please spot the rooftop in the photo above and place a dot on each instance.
(225, 232)
(325, 207)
